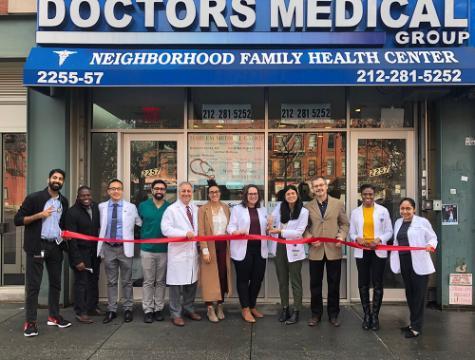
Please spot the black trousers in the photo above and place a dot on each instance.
(371, 269)
(53, 258)
(416, 288)
(316, 268)
(86, 288)
(249, 276)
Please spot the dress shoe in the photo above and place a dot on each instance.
(212, 317)
(128, 316)
(293, 319)
(247, 315)
(178, 321)
(314, 321)
(409, 334)
(256, 313)
(193, 316)
(110, 315)
(284, 314)
(220, 312)
(95, 312)
(334, 321)
(148, 318)
(406, 328)
(84, 319)
(158, 315)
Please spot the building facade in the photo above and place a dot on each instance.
(269, 93)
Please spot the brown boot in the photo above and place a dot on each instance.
(247, 316)
(257, 314)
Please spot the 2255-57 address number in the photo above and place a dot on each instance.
(69, 77)
(410, 76)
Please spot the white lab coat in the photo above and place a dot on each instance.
(182, 264)
(130, 218)
(293, 230)
(241, 221)
(420, 234)
(383, 228)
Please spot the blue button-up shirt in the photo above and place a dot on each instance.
(50, 229)
(119, 219)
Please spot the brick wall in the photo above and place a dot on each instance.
(3, 7)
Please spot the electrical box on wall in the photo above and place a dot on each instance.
(437, 205)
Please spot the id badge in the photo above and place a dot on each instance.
(40, 256)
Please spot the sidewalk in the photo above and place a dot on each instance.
(448, 335)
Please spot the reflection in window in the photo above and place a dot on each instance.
(305, 107)
(380, 108)
(289, 164)
(227, 108)
(103, 163)
(120, 108)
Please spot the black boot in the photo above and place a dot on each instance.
(364, 296)
(293, 319)
(284, 314)
(377, 301)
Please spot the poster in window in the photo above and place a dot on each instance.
(233, 160)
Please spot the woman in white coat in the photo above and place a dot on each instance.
(414, 266)
(289, 221)
(370, 225)
(249, 257)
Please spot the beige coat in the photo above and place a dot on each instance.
(209, 276)
(334, 224)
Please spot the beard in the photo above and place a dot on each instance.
(55, 186)
(158, 196)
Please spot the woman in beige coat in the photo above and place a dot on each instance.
(215, 260)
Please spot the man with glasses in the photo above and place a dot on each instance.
(118, 219)
(154, 256)
(42, 213)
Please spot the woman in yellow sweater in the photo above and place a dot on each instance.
(370, 225)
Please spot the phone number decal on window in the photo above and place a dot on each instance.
(437, 76)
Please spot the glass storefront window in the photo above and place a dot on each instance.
(119, 108)
(294, 159)
(380, 108)
(103, 163)
(227, 108)
(233, 160)
(304, 107)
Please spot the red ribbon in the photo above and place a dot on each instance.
(78, 236)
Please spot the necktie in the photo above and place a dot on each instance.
(190, 216)
(113, 233)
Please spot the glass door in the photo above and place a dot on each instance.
(148, 157)
(14, 191)
(387, 161)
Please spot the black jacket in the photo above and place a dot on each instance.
(33, 204)
(78, 220)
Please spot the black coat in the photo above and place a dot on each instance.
(33, 204)
(78, 220)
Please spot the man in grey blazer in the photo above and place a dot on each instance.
(118, 219)
(327, 218)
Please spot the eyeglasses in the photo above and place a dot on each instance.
(252, 194)
(215, 192)
(115, 189)
(159, 189)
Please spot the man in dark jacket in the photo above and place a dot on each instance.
(83, 217)
(42, 213)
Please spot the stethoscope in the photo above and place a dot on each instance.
(204, 168)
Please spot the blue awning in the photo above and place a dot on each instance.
(80, 67)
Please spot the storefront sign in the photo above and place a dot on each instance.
(313, 22)
(233, 160)
(226, 113)
(103, 67)
(310, 113)
(381, 171)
